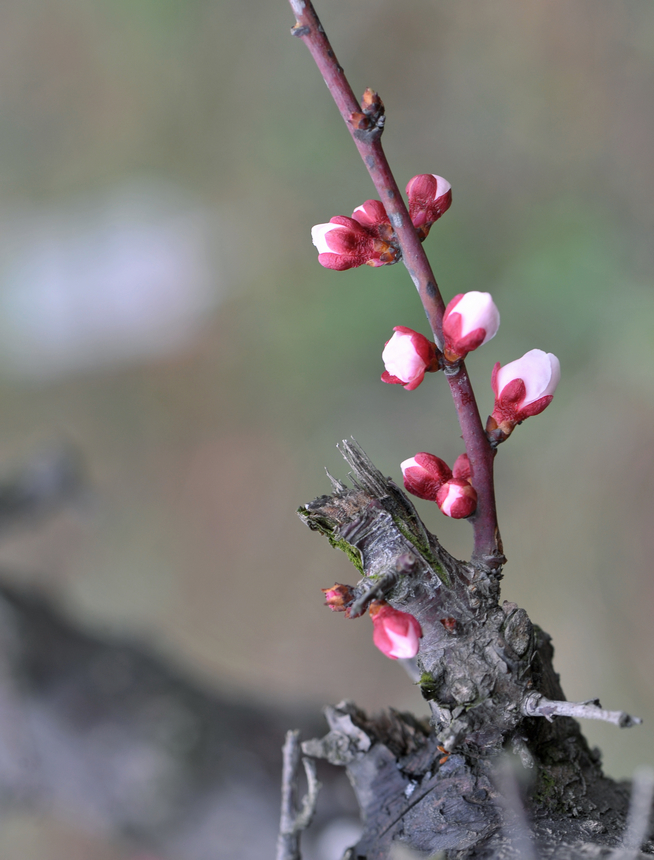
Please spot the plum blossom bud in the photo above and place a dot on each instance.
(470, 320)
(462, 468)
(345, 244)
(457, 498)
(424, 475)
(374, 218)
(523, 388)
(407, 356)
(338, 597)
(396, 634)
(429, 197)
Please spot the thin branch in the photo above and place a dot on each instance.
(293, 820)
(536, 705)
(488, 546)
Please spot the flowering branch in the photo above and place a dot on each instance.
(365, 123)
(484, 668)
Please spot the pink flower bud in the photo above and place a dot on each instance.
(524, 387)
(396, 634)
(424, 475)
(462, 468)
(374, 218)
(407, 356)
(338, 597)
(470, 320)
(457, 498)
(429, 197)
(345, 243)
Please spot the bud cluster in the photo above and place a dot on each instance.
(367, 238)
(522, 388)
(346, 243)
(430, 478)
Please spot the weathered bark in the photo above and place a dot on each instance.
(483, 667)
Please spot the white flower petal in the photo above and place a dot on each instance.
(319, 236)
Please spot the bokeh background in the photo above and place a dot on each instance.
(161, 307)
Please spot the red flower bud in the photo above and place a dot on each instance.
(366, 238)
(429, 197)
(374, 218)
(396, 634)
(462, 468)
(457, 499)
(424, 475)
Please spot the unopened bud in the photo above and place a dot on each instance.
(523, 388)
(396, 634)
(462, 468)
(470, 320)
(457, 499)
(429, 197)
(345, 244)
(407, 356)
(424, 475)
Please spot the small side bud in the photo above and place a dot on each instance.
(457, 499)
(368, 123)
(424, 475)
(430, 196)
(396, 634)
(407, 356)
(338, 597)
(522, 388)
(470, 320)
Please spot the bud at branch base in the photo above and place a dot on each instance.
(523, 388)
(424, 475)
(470, 320)
(407, 356)
(429, 197)
(457, 499)
(396, 634)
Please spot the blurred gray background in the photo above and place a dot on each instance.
(161, 307)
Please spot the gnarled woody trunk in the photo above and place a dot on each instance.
(487, 673)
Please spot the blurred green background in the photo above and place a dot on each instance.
(161, 306)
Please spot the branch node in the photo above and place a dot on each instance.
(300, 30)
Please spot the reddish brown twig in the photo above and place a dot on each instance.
(365, 124)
